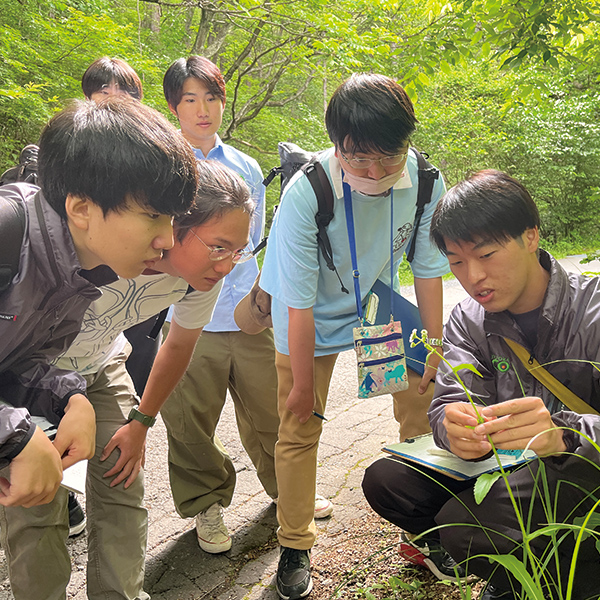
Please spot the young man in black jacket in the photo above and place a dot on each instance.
(112, 176)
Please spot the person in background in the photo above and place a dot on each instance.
(201, 472)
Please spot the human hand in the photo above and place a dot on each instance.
(131, 442)
(76, 435)
(512, 424)
(460, 421)
(301, 403)
(35, 474)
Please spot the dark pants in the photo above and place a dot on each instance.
(420, 500)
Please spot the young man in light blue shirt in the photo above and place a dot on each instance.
(370, 120)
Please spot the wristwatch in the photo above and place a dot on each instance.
(147, 420)
(436, 342)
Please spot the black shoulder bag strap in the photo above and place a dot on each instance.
(12, 229)
(427, 176)
(322, 188)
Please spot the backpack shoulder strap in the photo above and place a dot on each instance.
(12, 229)
(427, 176)
(322, 188)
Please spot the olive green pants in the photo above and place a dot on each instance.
(200, 470)
(34, 539)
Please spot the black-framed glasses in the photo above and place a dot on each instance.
(385, 161)
(217, 253)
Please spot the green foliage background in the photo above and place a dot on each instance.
(512, 86)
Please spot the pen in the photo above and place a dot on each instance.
(320, 416)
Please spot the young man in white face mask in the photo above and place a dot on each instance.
(370, 120)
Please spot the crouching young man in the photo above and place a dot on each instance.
(112, 177)
(488, 228)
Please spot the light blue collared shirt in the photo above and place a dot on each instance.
(238, 283)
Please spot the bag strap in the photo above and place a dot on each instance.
(427, 175)
(12, 229)
(561, 391)
(320, 184)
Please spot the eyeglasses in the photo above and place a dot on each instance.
(385, 161)
(217, 253)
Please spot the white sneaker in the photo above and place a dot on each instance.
(323, 507)
(213, 536)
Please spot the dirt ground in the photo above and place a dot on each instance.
(367, 565)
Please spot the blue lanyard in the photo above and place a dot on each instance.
(352, 242)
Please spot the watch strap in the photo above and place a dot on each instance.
(136, 415)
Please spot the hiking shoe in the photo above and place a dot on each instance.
(213, 536)
(431, 554)
(323, 507)
(76, 516)
(491, 592)
(293, 574)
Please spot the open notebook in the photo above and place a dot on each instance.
(423, 451)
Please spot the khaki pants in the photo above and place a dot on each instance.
(410, 408)
(296, 450)
(34, 539)
(200, 470)
(296, 456)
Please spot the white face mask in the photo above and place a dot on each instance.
(372, 187)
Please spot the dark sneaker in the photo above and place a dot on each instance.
(293, 574)
(76, 516)
(491, 592)
(430, 554)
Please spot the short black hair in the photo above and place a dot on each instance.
(114, 151)
(220, 190)
(489, 206)
(106, 70)
(370, 113)
(195, 66)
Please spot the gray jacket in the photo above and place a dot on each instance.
(568, 331)
(40, 315)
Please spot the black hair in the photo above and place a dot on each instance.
(195, 66)
(104, 71)
(220, 190)
(489, 206)
(115, 151)
(370, 113)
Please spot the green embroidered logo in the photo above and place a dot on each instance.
(500, 363)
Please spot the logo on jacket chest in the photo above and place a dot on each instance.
(500, 363)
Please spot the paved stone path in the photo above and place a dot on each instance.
(176, 567)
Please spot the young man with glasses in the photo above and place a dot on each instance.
(370, 120)
(210, 239)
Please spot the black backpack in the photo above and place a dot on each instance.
(12, 215)
(293, 159)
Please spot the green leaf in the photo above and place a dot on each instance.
(517, 569)
(483, 485)
(467, 366)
